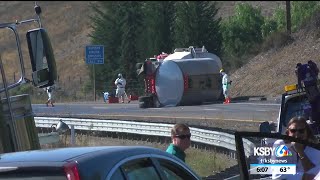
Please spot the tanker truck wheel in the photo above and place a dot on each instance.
(143, 98)
(142, 105)
(145, 101)
(156, 102)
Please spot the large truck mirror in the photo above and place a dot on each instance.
(43, 64)
(265, 127)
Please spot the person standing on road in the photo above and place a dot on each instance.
(180, 135)
(49, 90)
(225, 86)
(120, 82)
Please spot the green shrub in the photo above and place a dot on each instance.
(242, 32)
(276, 40)
(279, 17)
(302, 11)
(270, 26)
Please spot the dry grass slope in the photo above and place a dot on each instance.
(68, 25)
(268, 73)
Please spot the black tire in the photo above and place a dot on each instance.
(142, 105)
(150, 103)
(146, 101)
(156, 102)
(143, 98)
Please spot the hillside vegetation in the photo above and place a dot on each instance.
(268, 73)
(68, 25)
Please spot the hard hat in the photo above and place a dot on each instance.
(221, 70)
(119, 75)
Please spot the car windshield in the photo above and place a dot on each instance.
(297, 106)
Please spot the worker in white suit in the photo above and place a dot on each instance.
(225, 86)
(120, 82)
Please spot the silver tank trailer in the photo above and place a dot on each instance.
(202, 70)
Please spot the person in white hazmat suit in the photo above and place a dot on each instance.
(49, 91)
(225, 86)
(120, 82)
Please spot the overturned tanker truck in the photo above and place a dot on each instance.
(189, 76)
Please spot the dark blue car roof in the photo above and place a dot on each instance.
(65, 154)
(92, 162)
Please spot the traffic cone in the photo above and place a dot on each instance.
(225, 101)
(228, 100)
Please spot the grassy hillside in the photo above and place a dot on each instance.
(68, 25)
(268, 73)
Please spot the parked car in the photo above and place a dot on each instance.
(88, 163)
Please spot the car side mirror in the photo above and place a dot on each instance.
(43, 64)
(265, 127)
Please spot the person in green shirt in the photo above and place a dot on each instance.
(180, 135)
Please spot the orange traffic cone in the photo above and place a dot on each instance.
(227, 101)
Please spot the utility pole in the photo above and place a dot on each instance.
(288, 9)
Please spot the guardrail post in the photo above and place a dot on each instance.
(73, 138)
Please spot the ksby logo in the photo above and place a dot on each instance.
(279, 151)
(282, 151)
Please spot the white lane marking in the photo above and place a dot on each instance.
(44, 107)
(258, 104)
(211, 109)
(262, 110)
(100, 107)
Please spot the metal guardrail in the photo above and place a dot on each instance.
(48, 138)
(215, 138)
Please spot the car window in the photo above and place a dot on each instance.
(117, 175)
(26, 177)
(33, 174)
(140, 169)
(298, 106)
(174, 171)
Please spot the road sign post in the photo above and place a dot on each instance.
(94, 55)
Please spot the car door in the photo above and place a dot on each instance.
(275, 159)
(136, 169)
(172, 170)
(152, 166)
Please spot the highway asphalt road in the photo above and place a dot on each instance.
(255, 111)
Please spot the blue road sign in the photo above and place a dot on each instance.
(95, 54)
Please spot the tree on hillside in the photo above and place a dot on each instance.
(131, 44)
(158, 23)
(302, 11)
(269, 27)
(280, 17)
(196, 24)
(242, 32)
(106, 31)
